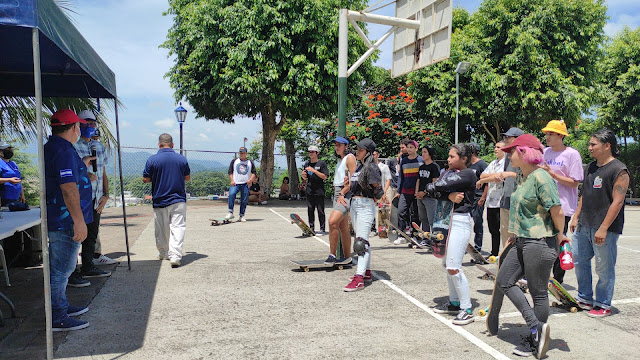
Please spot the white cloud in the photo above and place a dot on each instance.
(203, 137)
(165, 123)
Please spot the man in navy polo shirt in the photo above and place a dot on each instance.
(167, 172)
(69, 209)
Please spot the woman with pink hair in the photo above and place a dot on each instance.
(536, 222)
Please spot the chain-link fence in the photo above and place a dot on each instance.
(209, 173)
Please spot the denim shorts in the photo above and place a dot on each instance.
(344, 209)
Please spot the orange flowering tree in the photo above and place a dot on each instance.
(386, 116)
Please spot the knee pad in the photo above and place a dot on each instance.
(361, 246)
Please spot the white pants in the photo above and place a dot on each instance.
(170, 223)
(459, 235)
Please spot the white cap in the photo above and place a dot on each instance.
(5, 145)
(313, 148)
(87, 115)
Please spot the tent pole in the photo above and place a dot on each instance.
(43, 191)
(124, 206)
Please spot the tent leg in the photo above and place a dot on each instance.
(43, 191)
(124, 207)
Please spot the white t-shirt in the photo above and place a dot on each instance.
(386, 173)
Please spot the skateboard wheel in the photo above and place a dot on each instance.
(492, 259)
(482, 312)
(415, 246)
(554, 304)
(306, 269)
(485, 277)
(574, 309)
(340, 267)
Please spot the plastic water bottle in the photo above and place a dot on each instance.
(566, 258)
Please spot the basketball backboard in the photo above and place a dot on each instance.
(431, 43)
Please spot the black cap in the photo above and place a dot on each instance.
(367, 144)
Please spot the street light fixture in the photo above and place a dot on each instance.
(462, 68)
(181, 116)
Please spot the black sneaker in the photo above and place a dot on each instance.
(540, 340)
(69, 324)
(94, 272)
(524, 349)
(447, 308)
(330, 260)
(344, 261)
(463, 318)
(75, 280)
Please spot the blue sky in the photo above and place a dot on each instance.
(127, 35)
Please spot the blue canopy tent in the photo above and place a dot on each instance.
(43, 54)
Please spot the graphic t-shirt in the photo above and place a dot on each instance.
(62, 166)
(566, 163)
(427, 173)
(255, 187)
(241, 170)
(375, 177)
(315, 185)
(9, 191)
(529, 214)
(597, 195)
(495, 190)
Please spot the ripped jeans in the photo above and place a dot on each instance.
(461, 225)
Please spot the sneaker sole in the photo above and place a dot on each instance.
(546, 334)
(105, 262)
(77, 313)
(79, 285)
(597, 316)
(79, 327)
(354, 289)
(96, 276)
(463, 322)
(455, 312)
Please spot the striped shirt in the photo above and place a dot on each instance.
(408, 175)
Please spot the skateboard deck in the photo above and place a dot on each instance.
(476, 256)
(567, 301)
(305, 265)
(497, 297)
(393, 218)
(441, 226)
(384, 214)
(221, 221)
(412, 242)
(306, 230)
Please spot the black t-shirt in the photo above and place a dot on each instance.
(255, 187)
(375, 177)
(455, 181)
(478, 168)
(597, 195)
(315, 185)
(427, 173)
(393, 164)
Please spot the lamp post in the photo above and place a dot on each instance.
(181, 116)
(462, 68)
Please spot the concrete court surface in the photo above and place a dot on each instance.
(238, 296)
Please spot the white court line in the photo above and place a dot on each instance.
(459, 329)
(289, 220)
(626, 248)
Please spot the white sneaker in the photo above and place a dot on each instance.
(263, 203)
(104, 260)
(229, 216)
(174, 263)
(242, 219)
(163, 257)
(400, 241)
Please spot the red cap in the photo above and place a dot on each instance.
(527, 140)
(65, 117)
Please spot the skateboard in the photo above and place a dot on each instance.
(222, 221)
(384, 214)
(393, 218)
(560, 293)
(306, 230)
(476, 256)
(439, 234)
(411, 241)
(305, 265)
(417, 231)
(497, 297)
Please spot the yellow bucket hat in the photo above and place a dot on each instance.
(556, 126)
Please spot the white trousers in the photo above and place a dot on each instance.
(170, 223)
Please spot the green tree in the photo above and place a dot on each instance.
(533, 61)
(271, 59)
(620, 70)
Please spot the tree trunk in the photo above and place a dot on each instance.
(270, 130)
(290, 150)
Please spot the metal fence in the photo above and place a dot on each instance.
(209, 173)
